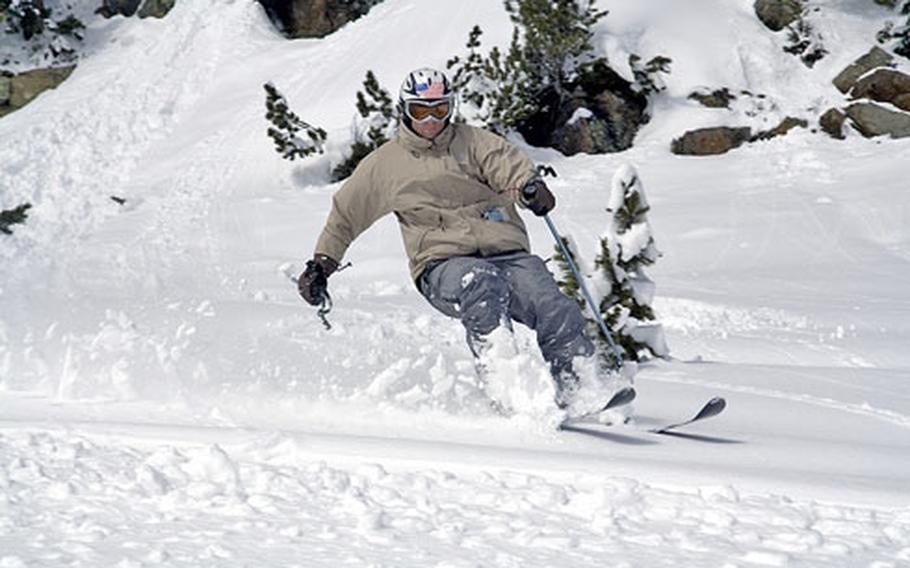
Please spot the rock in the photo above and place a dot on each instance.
(778, 14)
(718, 98)
(588, 135)
(871, 120)
(314, 18)
(832, 122)
(602, 115)
(786, 125)
(710, 141)
(882, 85)
(111, 8)
(156, 8)
(902, 102)
(594, 134)
(26, 86)
(876, 57)
(621, 114)
(6, 88)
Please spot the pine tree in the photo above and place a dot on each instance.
(898, 34)
(618, 275)
(378, 119)
(647, 76)
(286, 125)
(805, 42)
(550, 48)
(491, 85)
(568, 283)
(556, 42)
(27, 17)
(626, 248)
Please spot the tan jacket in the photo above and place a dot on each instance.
(453, 196)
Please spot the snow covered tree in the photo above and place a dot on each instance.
(484, 84)
(805, 42)
(376, 125)
(286, 125)
(626, 248)
(647, 77)
(48, 40)
(551, 46)
(25, 16)
(897, 34)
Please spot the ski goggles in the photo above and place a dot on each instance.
(422, 111)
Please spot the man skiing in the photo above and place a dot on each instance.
(454, 189)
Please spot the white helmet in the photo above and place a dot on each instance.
(426, 87)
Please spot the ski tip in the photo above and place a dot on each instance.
(622, 397)
(718, 403)
(711, 408)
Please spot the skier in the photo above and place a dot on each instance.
(454, 189)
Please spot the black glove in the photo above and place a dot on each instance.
(538, 197)
(313, 283)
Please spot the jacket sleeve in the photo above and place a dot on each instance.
(357, 205)
(505, 167)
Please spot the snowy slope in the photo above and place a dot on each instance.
(167, 399)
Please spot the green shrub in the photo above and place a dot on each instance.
(374, 128)
(286, 125)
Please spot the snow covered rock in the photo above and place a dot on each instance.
(156, 8)
(832, 122)
(710, 141)
(19, 90)
(6, 88)
(785, 126)
(778, 14)
(604, 118)
(148, 9)
(111, 8)
(873, 120)
(876, 57)
(314, 18)
(883, 85)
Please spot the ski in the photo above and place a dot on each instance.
(621, 397)
(711, 408)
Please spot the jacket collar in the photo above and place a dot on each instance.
(412, 141)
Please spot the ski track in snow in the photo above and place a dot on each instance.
(860, 409)
(269, 503)
(284, 444)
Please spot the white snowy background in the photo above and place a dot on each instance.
(166, 399)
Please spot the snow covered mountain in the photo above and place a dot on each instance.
(166, 399)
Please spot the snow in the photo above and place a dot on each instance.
(166, 399)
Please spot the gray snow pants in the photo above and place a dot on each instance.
(486, 292)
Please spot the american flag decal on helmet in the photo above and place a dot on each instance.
(430, 91)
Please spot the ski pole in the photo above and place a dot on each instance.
(617, 354)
